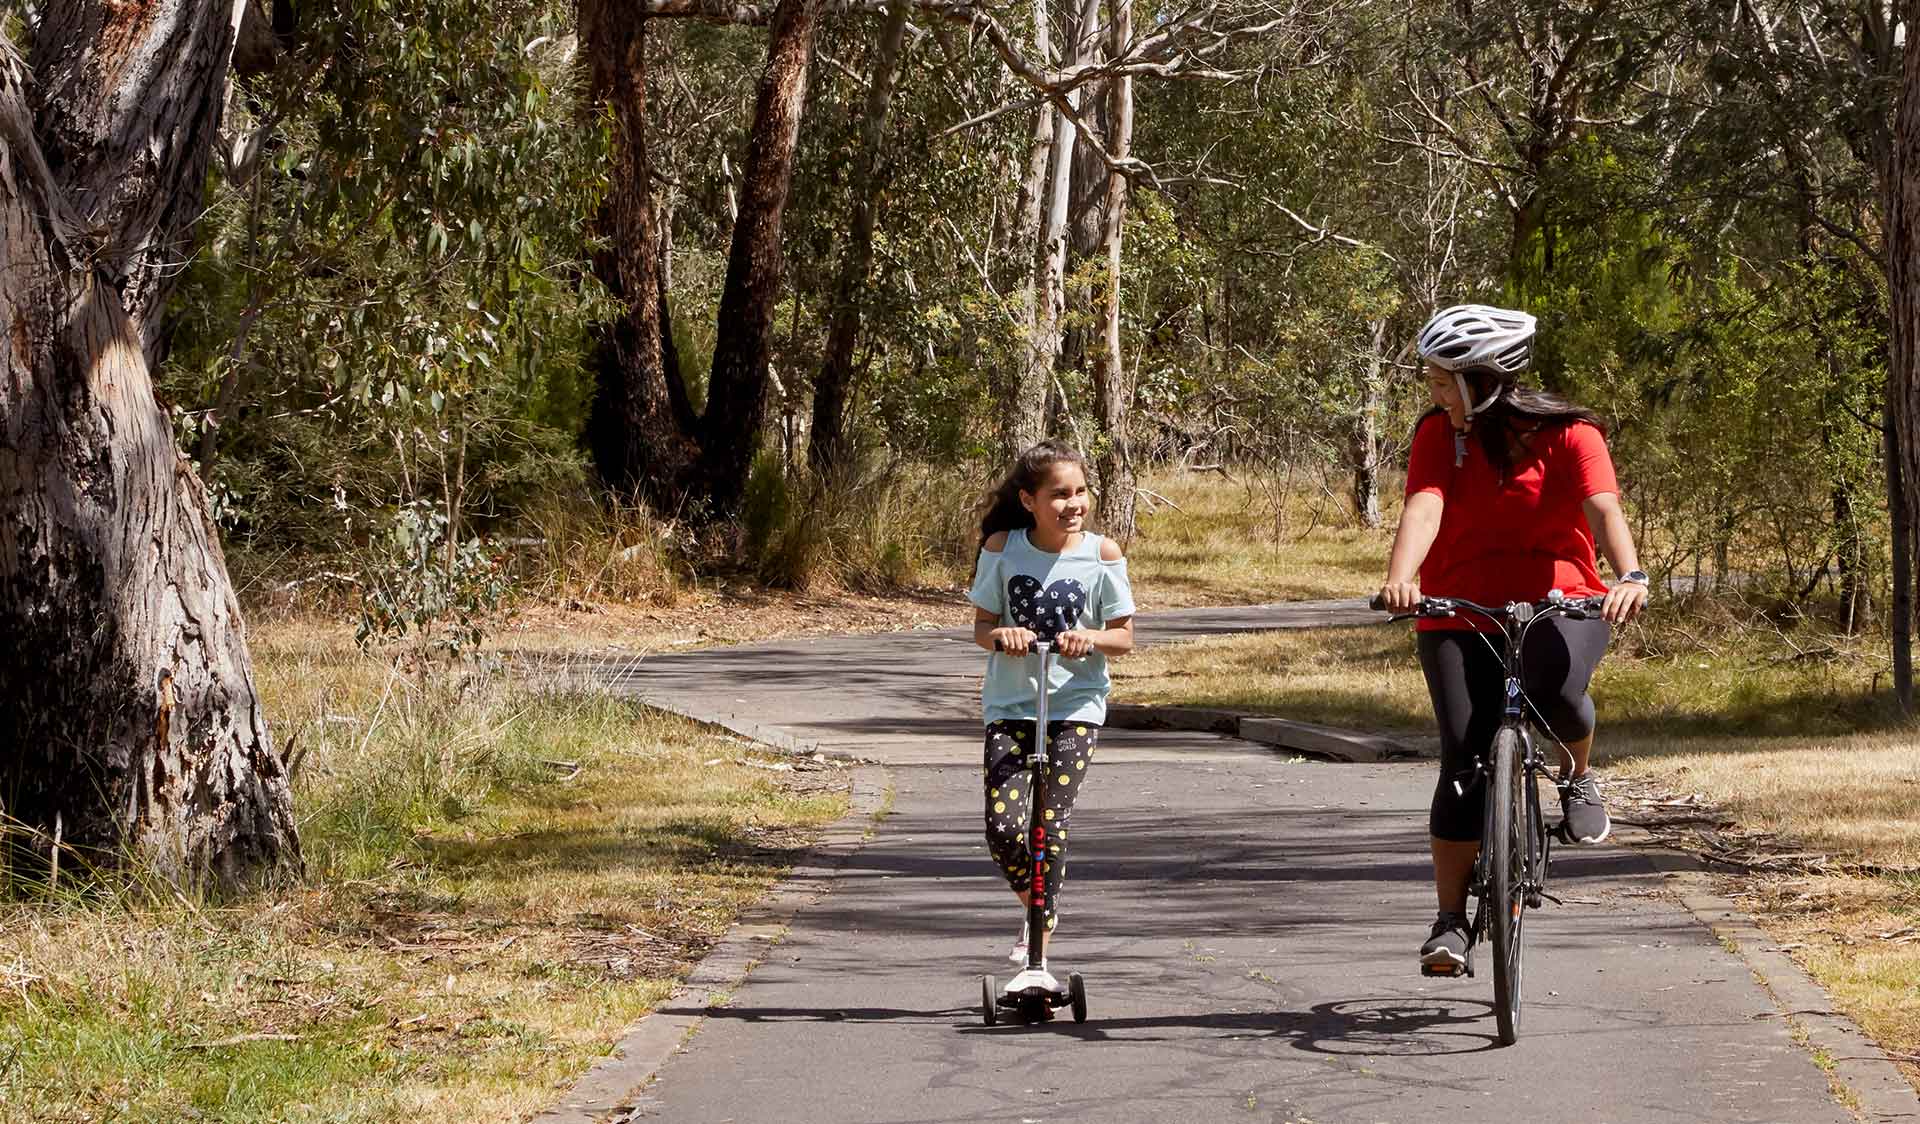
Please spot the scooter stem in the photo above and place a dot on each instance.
(1036, 826)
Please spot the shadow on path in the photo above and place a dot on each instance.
(1386, 1026)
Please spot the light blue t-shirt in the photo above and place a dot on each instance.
(1050, 594)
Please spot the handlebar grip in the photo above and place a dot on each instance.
(1038, 645)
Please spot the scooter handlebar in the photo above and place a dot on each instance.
(1040, 647)
(1037, 647)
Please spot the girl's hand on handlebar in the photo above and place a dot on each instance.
(1400, 597)
(1624, 602)
(1013, 641)
(1075, 644)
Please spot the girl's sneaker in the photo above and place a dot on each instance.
(1018, 954)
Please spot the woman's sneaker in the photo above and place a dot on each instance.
(1583, 813)
(1448, 946)
(1019, 953)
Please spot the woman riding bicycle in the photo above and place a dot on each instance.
(1508, 489)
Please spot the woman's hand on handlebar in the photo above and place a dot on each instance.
(1400, 597)
(1074, 644)
(1012, 641)
(1624, 602)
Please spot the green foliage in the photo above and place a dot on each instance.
(389, 299)
(418, 579)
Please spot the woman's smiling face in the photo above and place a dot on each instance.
(1444, 389)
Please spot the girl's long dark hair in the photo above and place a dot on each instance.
(1002, 510)
(1517, 411)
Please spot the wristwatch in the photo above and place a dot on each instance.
(1637, 577)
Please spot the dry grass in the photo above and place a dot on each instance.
(499, 881)
(1362, 678)
(1206, 539)
(1852, 799)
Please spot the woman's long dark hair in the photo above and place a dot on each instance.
(1002, 509)
(1516, 412)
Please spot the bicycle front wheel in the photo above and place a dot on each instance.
(1505, 857)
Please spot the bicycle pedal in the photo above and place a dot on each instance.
(1447, 972)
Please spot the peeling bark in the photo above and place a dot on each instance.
(128, 712)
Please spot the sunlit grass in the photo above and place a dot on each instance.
(500, 880)
(1208, 539)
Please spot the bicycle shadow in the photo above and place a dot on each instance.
(1347, 1027)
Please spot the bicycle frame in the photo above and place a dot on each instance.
(1515, 620)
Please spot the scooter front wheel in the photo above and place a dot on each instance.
(988, 1010)
(1077, 996)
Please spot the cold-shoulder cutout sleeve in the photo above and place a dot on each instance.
(996, 542)
(989, 592)
(1116, 592)
(1110, 551)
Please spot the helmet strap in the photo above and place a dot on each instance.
(1466, 395)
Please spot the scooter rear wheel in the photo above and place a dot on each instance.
(988, 1010)
(1077, 996)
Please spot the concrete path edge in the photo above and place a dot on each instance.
(1852, 1061)
(611, 1086)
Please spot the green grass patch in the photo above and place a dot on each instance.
(500, 879)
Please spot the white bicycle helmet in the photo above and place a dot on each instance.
(1469, 336)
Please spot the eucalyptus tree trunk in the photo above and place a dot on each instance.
(830, 391)
(642, 423)
(1900, 604)
(1024, 410)
(1363, 439)
(129, 721)
(1903, 368)
(1044, 341)
(1112, 385)
(646, 437)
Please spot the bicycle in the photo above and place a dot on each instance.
(1510, 873)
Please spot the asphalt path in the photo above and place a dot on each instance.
(1246, 923)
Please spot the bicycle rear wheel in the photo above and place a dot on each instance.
(1505, 855)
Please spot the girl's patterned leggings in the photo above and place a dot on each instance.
(1010, 795)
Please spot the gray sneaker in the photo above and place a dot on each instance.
(1445, 953)
(1584, 814)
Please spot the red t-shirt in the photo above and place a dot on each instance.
(1510, 540)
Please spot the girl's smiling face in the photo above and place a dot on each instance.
(1059, 505)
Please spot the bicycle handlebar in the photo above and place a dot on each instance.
(1578, 608)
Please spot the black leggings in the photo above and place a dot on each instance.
(1467, 679)
(1010, 795)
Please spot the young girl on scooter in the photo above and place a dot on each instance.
(1042, 576)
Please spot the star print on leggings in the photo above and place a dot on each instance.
(1009, 799)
